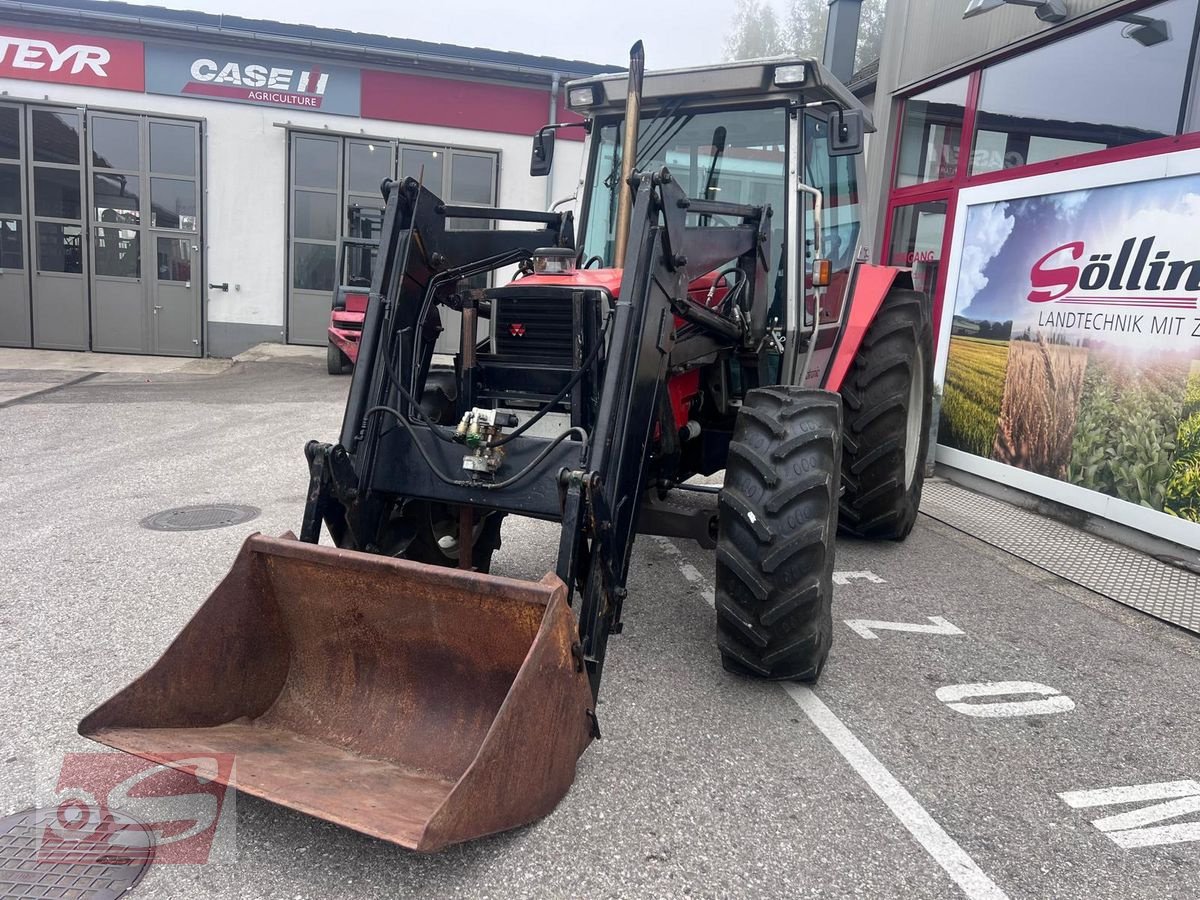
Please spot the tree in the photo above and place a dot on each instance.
(806, 21)
(755, 32)
(870, 32)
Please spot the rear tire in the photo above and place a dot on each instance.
(775, 541)
(887, 397)
(336, 362)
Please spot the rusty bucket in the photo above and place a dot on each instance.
(418, 704)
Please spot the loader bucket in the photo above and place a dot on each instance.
(418, 704)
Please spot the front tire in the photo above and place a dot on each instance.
(887, 395)
(336, 362)
(775, 542)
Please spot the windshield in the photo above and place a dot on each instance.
(736, 156)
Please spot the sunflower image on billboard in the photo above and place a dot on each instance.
(1075, 344)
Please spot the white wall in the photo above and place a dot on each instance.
(246, 181)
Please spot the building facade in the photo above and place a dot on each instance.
(177, 183)
(1042, 179)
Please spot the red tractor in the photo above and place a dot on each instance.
(714, 313)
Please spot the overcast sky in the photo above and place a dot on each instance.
(675, 32)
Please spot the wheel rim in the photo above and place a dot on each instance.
(916, 418)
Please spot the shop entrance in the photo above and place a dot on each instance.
(917, 237)
(145, 227)
(99, 231)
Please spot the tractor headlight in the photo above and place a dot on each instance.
(553, 261)
(581, 96)
(793, 74)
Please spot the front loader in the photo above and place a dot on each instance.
(714, 314)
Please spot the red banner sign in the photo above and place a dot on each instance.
(477, 105)
(67, 58)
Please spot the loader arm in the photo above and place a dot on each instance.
(592, 481)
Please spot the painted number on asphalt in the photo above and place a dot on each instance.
(1053, 701)
(1132, 829)
(866, 628)
(846, 577)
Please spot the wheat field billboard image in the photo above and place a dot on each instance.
(1074, 349)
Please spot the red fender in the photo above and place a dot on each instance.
(871, 285)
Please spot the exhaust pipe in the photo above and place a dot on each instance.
(633, 112)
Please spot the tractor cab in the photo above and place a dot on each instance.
(782, 134)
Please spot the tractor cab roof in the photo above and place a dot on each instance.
(780, 77)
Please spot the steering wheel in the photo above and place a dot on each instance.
(593, 259)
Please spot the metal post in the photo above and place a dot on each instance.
(633, 112)
(841, 38)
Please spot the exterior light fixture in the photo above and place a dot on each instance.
(1145, 30)
(793, 74)
(581, 96)
(1046, 10)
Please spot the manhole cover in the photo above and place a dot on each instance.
(38, 859)
(198, 518)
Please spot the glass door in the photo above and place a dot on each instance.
(316, 192)
(16, 323)
(173, 234)
(60, 301)
(917, 238)
(119, 319)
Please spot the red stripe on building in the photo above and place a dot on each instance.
(455, 103)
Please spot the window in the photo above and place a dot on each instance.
(10, 132)
(172, 204)
(56, 193)
(174, 259)
(841, 218)
(369, 164)
(172, 149)
(1118, 83)
(931, 136)
(11, 255)
(116, 198)
(471, 179)
(423, 165)
(116, 143)
(916, 242)
(10, 189)
(315, 215)
(314, 267)
(118, 252)
(731, 155)
(55, 137)
(60, 248)
(316, 162)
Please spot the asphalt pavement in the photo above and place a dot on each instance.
(1023, 737)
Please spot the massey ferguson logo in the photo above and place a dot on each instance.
(266, 84)
(31, 54)
(1138, 274)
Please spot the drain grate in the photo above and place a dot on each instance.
(199, 518)
(37, 861)
(1117, 572)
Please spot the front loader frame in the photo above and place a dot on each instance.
(594, 486)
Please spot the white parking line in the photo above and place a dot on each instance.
(944, 850)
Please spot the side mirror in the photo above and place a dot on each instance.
(846, 132)
(543, 152)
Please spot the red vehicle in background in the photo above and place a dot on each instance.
(354, 261)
